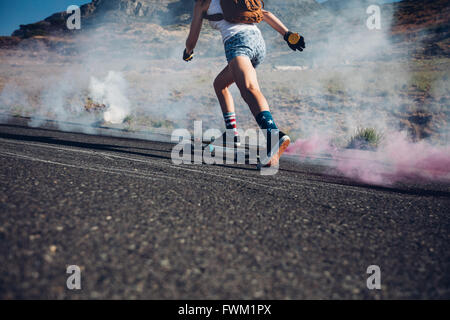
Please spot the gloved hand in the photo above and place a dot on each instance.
(188, 56)
(294, 41)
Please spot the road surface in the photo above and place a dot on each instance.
(140, 227)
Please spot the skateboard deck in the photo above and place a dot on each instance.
(227, 151)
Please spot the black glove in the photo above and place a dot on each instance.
(188, 56)
(294, 41)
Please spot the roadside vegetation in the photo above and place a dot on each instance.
(365, 139)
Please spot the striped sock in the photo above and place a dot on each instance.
(230, 121)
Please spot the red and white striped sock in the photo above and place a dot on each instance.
(230, 121)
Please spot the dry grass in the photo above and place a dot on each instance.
(365, 139)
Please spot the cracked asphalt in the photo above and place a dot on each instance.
(140, 227)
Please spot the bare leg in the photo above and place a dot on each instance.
(247, 81)
(221, 84)
(245, 77)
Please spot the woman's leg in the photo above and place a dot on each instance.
(244, 75)
(221, 84)
(246, 79)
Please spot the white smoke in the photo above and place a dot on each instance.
(112, 93)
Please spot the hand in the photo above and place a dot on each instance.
(188, 56)
(294, 41)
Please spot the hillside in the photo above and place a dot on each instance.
(348, 4)
(426, 22)
(156, 11)
(414, 20)
(162, 12)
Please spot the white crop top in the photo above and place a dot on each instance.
(226, 28)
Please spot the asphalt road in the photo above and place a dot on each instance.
(141, 227)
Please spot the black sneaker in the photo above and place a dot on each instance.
(275, 150)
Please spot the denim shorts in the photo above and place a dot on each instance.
(248, 43)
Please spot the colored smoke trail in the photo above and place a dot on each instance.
(395, 160)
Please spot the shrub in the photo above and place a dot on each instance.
(365, 139)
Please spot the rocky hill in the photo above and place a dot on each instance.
(157, 11)
(426, 21)
(162, 12)
(348, 4)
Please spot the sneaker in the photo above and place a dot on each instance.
(274, 152)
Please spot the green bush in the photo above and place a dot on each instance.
(365, 139)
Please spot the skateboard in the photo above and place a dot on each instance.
(214, 149)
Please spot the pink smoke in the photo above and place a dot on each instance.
(395, 160)
(311, 147)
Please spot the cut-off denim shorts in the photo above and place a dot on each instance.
(248, 43)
